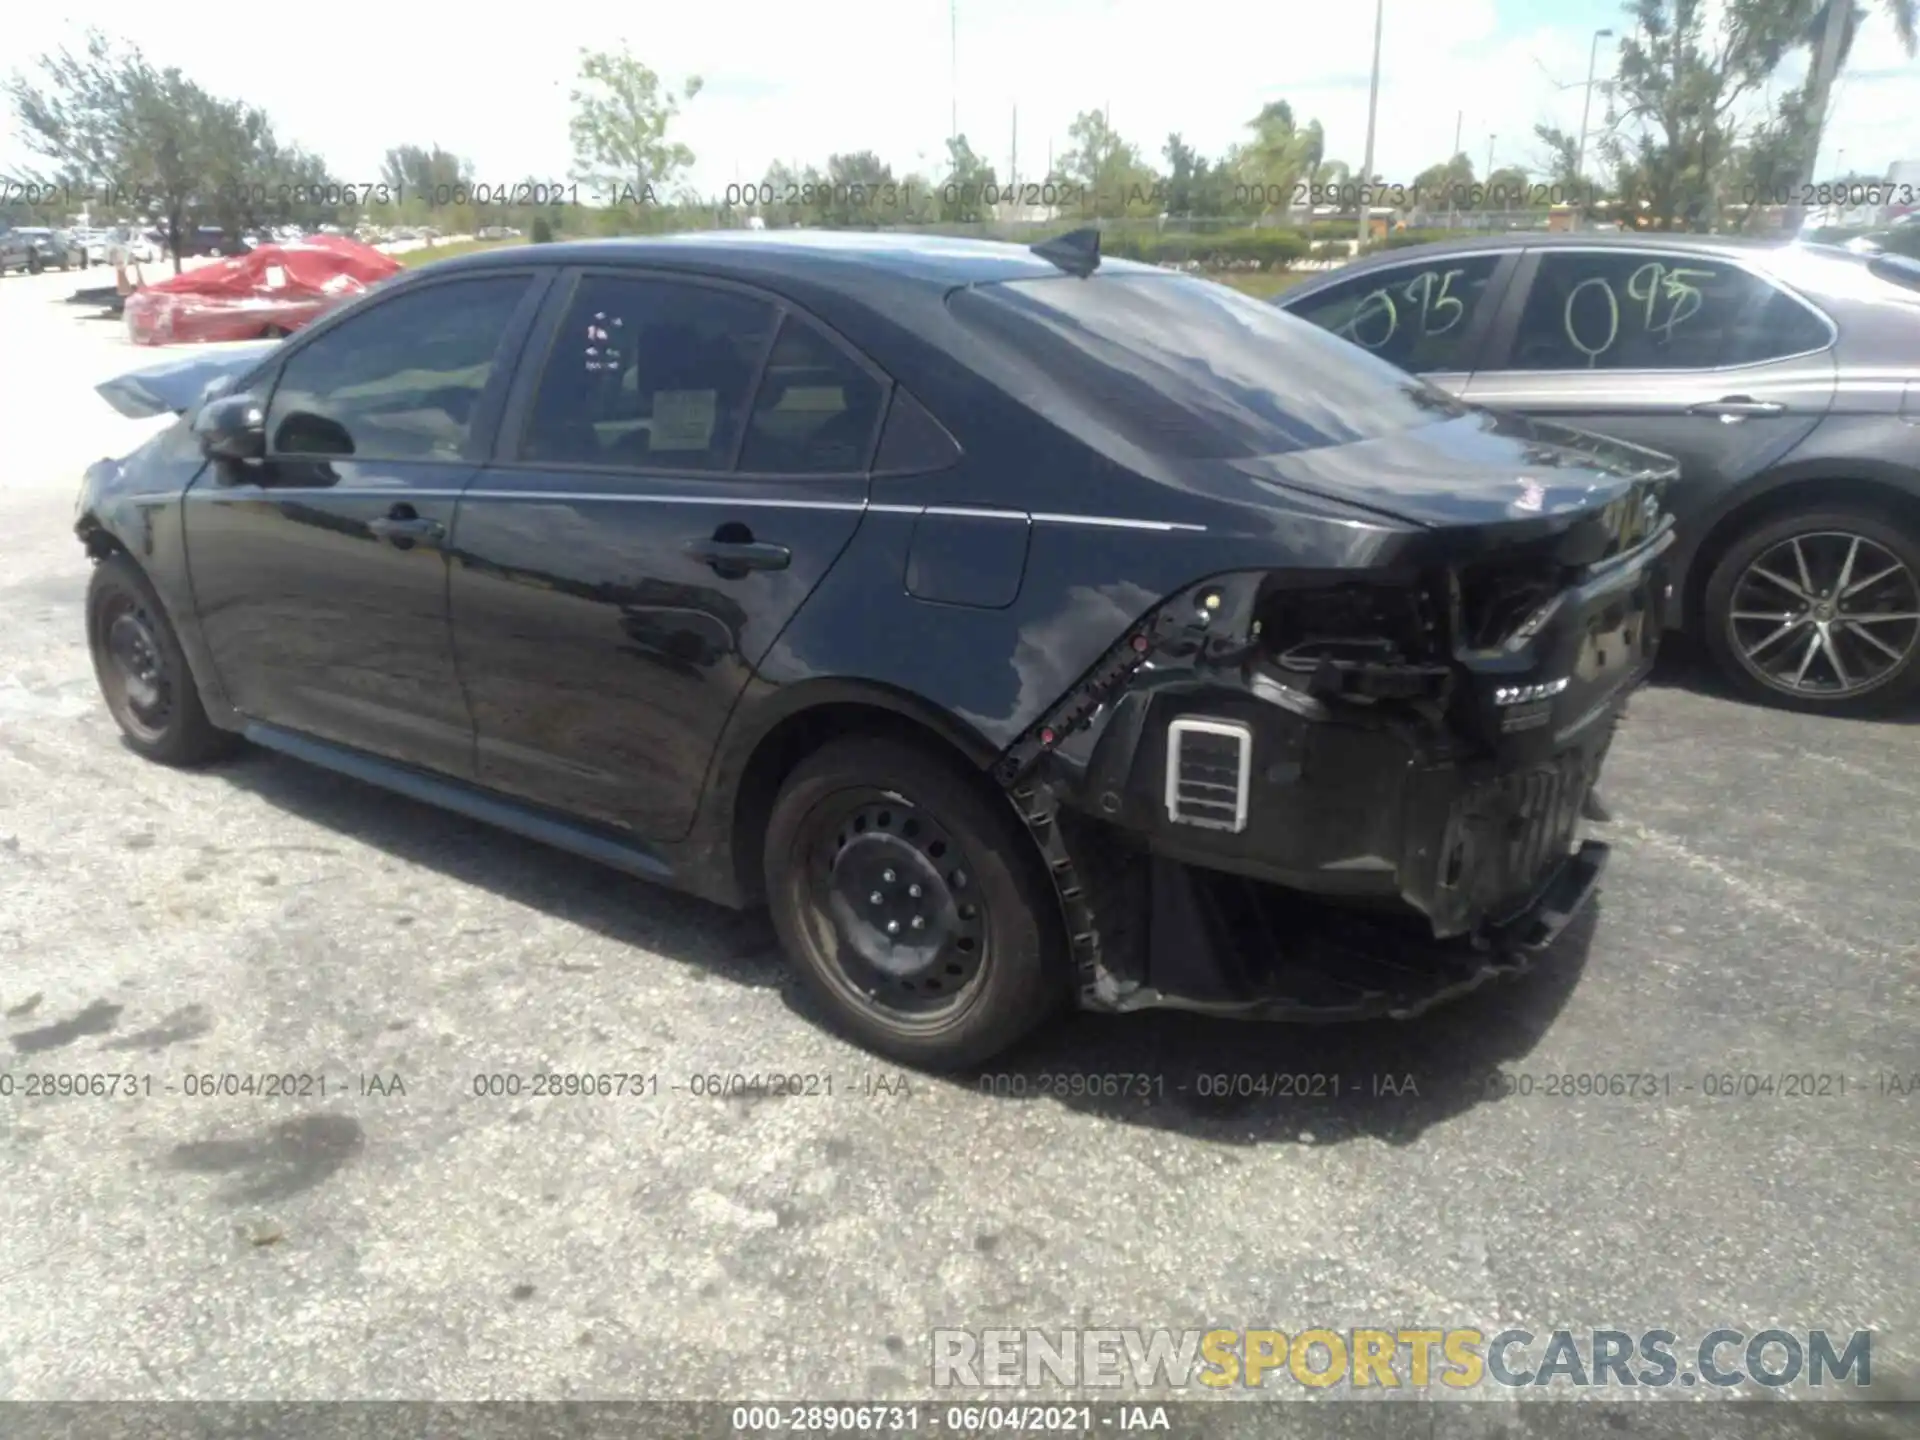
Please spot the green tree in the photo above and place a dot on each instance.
(1562, 164)
(1680, 89)
(969, 180)
(621, 116)
(430, 185)
(1764, 164)
(1508, 188)
(156, 148)
(1281, 154)
(1445, 179)
(418, 170)
(1194, 187)
(857, 185)
(249, 179)
(785, 186)
(1106, 170)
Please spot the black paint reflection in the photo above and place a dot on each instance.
(601, 658)
(318, 624)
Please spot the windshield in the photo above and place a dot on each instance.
(1191, 369)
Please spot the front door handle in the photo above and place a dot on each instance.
(403, 527)
(1738, 407)
(732, 558)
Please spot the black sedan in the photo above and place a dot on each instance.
(36, 248)
(1785, 378)
(1021, 628)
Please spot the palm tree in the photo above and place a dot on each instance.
(1831, 26)
(1281, 154)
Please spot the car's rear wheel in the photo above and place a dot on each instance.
(143, 671)
(914, 903)
(1819, 611)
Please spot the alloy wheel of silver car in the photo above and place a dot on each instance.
(1825, 615)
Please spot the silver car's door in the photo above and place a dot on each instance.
(1690, 353)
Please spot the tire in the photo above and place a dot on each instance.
(35, 264)
(1743, 649)
(159, 713)
(873, 816)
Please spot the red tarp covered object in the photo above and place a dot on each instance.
(245, 297)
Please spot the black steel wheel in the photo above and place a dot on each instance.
(914, 903)
(143, 672)
(1819, 612)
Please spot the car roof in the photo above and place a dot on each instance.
(1815, 267)
(1730, 245)
(832, 258)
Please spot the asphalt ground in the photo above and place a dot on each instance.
(1761, 917)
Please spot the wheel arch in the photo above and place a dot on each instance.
(100, 542)
(1899, 501)
(803, 719)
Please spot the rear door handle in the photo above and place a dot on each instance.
(402, 527)
(1738, 407)
(736, 557)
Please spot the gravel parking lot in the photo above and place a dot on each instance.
(416, 1239)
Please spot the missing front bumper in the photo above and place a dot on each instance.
(1228, 946)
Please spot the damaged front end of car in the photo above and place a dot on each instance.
(1287, 798)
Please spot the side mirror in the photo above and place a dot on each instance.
(232, 427)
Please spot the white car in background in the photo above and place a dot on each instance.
(102, 243)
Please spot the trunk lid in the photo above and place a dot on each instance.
(1482, 468)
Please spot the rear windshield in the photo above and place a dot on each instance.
(1189, 369)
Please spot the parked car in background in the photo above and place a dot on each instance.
(1784, 378)
(1019, 626)
(209, 240)
(266, 293)
(35, 248)
(103, 245)
(1896, 239)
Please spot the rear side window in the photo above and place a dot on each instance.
(816, 410)
(1417, 316)
(1185, 368)
(649, 374)
(1631, 310)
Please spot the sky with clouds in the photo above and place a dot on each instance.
(796, 82)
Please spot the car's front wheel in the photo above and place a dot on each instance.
(1819, 611)
(914, 903)
(143, 671)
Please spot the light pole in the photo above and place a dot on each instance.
(1373, 110)
(1490, 139)
(1586, 109)
(953, 56)
(1459, 121)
